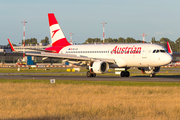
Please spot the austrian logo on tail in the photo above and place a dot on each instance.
(54, 32)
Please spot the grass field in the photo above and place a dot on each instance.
(38, 99)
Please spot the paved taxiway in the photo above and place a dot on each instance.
(98, 78)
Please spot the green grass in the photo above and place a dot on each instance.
(58, 71)
(108, 83)
(25, 70)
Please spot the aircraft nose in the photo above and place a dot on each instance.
(167, 59)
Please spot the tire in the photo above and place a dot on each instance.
(94, 75)
(127, 74)
(152, 75)
(88, 74)
(122, 74)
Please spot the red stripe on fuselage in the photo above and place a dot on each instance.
(61, 42)
(58, 45)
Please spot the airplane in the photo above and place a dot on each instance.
(99, 58)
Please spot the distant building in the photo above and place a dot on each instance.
(6, 54)
(39, 46)
(5, 48)
(176, 56)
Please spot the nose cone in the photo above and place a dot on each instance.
(167, 59)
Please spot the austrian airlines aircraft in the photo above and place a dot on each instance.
(100, 57)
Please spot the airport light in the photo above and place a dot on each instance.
(71, 37)
(103, 30)
(24, 38)
(143, 36)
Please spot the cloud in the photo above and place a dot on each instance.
(164, 33)
(159, 33)
(169, 32)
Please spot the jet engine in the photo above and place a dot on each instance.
(98, 67)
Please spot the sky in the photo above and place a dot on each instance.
(125, 18)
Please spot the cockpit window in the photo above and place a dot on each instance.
(162, 51)
(159, 51)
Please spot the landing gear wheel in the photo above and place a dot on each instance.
(152, 75)
(93, 75)
(122, 74)
(88, 74)
(127, 74)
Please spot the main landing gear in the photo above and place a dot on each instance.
(125, 74)
(152, 75)
(89, 74)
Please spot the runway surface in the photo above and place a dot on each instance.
(97, 78)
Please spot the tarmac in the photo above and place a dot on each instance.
(175, 78)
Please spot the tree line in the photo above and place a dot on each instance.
(175, 46)
(34, 41)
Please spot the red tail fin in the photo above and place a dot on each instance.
(57, 36)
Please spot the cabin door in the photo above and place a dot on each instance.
(144, 52)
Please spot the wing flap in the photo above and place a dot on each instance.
(40, 50)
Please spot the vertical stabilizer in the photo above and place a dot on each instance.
(57, 36)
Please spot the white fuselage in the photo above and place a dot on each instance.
(124, 55)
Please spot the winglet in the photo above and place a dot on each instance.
(169, 48)
(12, 48)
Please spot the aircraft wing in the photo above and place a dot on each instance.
(63, 56)
(69, 57)
(40, 50)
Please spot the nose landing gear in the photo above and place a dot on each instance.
(152, 75)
